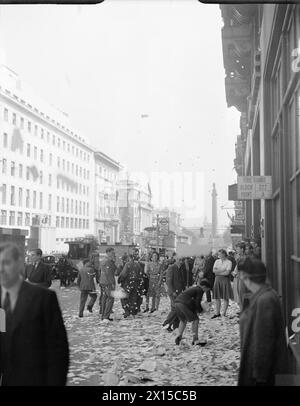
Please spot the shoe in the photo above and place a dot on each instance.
(153, 310)
(90, 309)
(215, 315)
(169, 329)
(80, 315)
(198, 342)
(146, 310)
(177, 340)
(110, 319)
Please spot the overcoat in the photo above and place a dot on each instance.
(34, 351)
(263, 342)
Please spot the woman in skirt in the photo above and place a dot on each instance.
(187, 307)
(222, 287)
(153, 270)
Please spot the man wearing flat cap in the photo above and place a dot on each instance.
(262, 330)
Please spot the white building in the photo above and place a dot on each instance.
(107, 220)
(47, 170)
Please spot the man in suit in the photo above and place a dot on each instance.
(107, 284)
(175, 285)
(37, 272)
(34, 347)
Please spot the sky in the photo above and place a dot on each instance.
(143, 81)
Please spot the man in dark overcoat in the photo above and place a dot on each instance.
(33, 343)
(38, 272)
(262, 330)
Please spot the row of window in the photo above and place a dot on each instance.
(21, 219)
(67, 166)
(63, 205)
(45, 135)
(32, 174)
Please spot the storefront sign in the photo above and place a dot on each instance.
(254, 187)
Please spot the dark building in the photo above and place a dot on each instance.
(262, 64)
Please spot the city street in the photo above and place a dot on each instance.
(140, 352)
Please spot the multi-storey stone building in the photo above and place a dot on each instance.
(47, 169)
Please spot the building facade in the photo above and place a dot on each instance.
(135, 210)
(261, 59)
(107, 219)
(47, 170)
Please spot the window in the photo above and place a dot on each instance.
(67, 206)
(80, 172)
(67, 222)
(5, 140)
(62, 204)
(35, 130)
(57, 183)
(79, 223)
(72, 203)
(20, 197)
(20, 171)
(28, 150)
(27, 198)
(27, 219)
(12, 168)
(29, 126)
(58, 142)
(58, 162)
(68, 147)
(3, 218)
(80, 207)
(57, 203)
(62, 222)
(22, 123)
(73, 168)
(3, 193)
(87, 224)
(4, 165)
(87, 209)
(75, 223)
(57, 221)
(73, 150)
(34, 199)
(77, 152)
(49, 202)
(64, 145)
(20, 218)
(5, 115)
(41, 200)
(80, 154)
(50, 159)
(42, 133)
(35, 153)
(53, 139)
(41, 177)
(12, 218)
(68, 166)
(48, 136)
(76, 170)
(12, 196)
(27, 173)
(63, 164)
(50, 180)
(42, 156)
(72, 222)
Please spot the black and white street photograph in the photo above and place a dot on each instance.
(149, 196)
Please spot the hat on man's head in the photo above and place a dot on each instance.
(252, 267)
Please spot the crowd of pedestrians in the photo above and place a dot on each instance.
(221, 277)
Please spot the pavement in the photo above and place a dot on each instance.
(139, 351)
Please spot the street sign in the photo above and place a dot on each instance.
(254, 187)
(163, 226)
